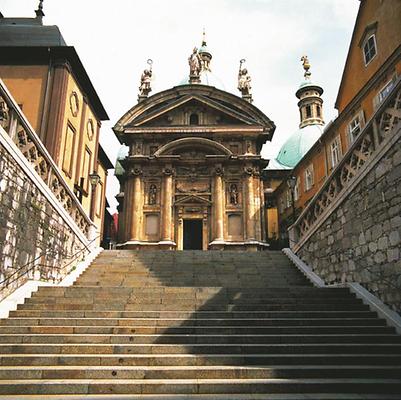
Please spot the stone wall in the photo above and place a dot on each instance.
(36, 242)
(361, 239)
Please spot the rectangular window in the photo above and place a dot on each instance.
(369, 49)
(385, 91)
(335, 151)
(296, 190)
(355, 127)
(281, 206)
(308, 111)
(309, 178)
(289, 198)
(69, 142)
(86, 168)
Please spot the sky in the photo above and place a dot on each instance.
(115, 38)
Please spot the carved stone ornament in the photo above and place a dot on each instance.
(136, 171)
(4, 114)
(74, 104)
(90, 129)
(152, 195)
(234, 194)
(249, 170)
(138, 148)
(168, 171)
(219, 171)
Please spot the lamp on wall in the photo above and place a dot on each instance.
(94, 179)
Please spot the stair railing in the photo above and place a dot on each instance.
(18, 128)
(55, 273)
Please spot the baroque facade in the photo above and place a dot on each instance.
(191, 179)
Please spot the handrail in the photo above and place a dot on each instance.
(381, 125)
(72, 257)
(23, 135)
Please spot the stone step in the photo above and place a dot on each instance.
(139, 284)
(191, 315)
(198, 372)
(162, 308)
(220, 348)
(171, 322)
(303, 359)
(249, 396)
(86, 291)
(198, 330)
(194, 386)
(189, 339)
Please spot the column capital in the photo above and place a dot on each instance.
(249, 171)
(218, 170)
(168, 171)
(135, 171)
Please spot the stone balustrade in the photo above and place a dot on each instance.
(351, 229)
(44, 230)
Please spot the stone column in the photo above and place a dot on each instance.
(250, 206)
(258, 209)
(137, 200)
(167, 206)
(218, 204)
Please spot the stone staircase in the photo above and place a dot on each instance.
(196, 325)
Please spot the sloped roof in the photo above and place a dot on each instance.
(29, 32)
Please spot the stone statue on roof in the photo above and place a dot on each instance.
(306, 65)
(195, 64)
(244, 81)
(146, 78)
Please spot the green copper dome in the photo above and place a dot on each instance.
(296, 146)
(206, 78)
(122, 153)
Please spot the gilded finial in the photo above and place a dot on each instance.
(306, 65)
(39, 12)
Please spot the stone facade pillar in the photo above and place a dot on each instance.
(257, 207)
(167, 205)
(218, 204)
(250, 204)
(137, 201)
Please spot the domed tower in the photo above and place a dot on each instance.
(205, 54)
(310, 103)
(200, 69)
(310, 128)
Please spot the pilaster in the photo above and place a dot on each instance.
(167, 206)
(137, 204)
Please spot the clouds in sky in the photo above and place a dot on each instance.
(115, 38)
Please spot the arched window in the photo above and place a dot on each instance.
(319, 114)
(194, 119)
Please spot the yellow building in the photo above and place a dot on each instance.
(51, 86)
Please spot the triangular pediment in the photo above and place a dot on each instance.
(192, 199)
(177, 113)
(175, 107)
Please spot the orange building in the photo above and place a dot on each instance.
(372, 67)
(50, 84)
